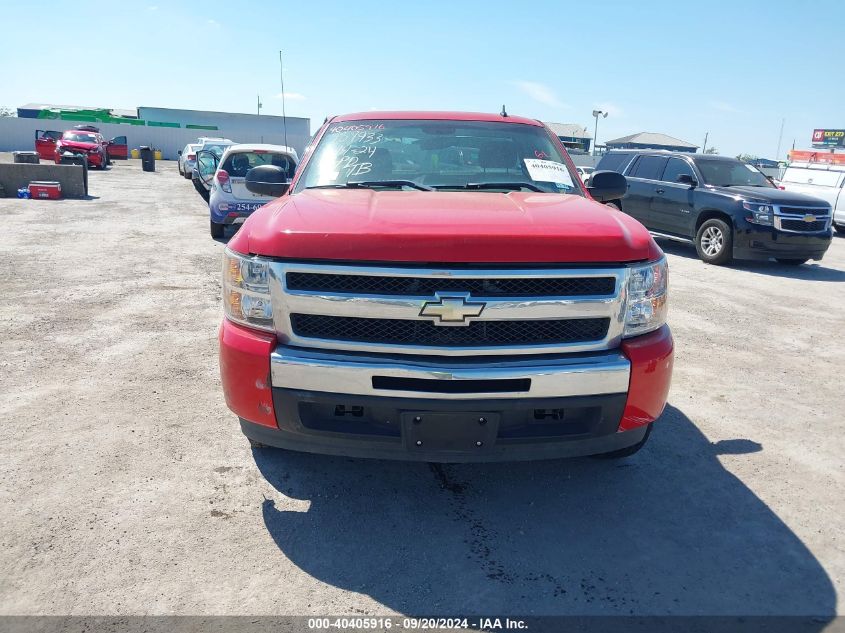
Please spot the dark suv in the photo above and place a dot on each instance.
(727, 208)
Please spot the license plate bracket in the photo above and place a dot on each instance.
(453, 431)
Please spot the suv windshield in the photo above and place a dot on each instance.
(478, 155)
(731, 173)
(238, 163)
(79, 138)
(215, 148)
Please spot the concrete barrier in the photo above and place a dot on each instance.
(13, 176)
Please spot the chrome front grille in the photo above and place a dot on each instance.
(802, 219)
(409, 310)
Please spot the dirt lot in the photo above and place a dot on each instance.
(126, 486)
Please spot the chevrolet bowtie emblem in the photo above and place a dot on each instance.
(451, 310)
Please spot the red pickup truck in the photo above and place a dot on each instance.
(441, 286)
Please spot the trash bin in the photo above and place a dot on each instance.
(77, 159)
(134, 153)
(158, 154)
(148, 161)
(26, 157)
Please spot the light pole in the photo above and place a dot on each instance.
(597, 114)
(284, 115)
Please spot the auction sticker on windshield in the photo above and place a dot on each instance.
(548, 171)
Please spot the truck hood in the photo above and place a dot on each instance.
(774, 196)
(448, 227)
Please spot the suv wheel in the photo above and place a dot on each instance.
(840, 228)
(714, 242)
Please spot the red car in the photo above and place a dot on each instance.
(90, 144)
(442, 286)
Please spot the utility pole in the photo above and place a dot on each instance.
(284, 116)
(259, 104)
(780, 138)
(597, 114)
(704, 149)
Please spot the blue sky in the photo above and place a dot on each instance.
(730, 68)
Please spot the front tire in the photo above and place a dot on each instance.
(792, 262)
(628, 450)
(839, 228)
(216, 229)
(714, 242)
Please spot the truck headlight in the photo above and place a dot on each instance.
(647, 295)
(758, 213)
(246, 290)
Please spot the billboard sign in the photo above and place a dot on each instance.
(829, 138)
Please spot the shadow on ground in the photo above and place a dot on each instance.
(668, 531)
(812, 270)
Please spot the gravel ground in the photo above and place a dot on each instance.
(127, 488)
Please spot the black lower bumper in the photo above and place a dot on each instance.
(445, 430)
(755, 242)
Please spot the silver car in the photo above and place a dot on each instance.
(230, 202)
(188, 159)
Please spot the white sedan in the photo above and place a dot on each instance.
(585, 173)
(188, 159)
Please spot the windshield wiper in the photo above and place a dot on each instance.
(503, 185)
(369, 184)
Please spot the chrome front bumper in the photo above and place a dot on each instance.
(351, 373)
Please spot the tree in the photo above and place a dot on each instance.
(711, 150)
(747, 158)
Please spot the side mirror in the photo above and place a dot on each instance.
(179, 153)
(607, 185)
(686, 179)
(267, 180)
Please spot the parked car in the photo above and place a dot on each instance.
(188, 159)
(216, 147)
(385, 306)
(822, 175)
(585, 173)
(45, 144)
(727, 208)
(90, 144)
(230, 201)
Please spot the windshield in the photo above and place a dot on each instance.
(730, 173)
(238, 163)
(76, 137)
(440, 155)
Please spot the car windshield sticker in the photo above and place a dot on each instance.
(751, 168)
(548, 171)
